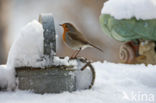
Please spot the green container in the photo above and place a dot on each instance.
(128, 29)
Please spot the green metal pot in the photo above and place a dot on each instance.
(128, 29)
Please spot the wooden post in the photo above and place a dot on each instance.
(49, 35)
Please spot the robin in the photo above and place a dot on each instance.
(75, 39)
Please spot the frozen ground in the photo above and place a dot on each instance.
(115, 83)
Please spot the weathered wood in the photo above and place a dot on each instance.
(49, 35)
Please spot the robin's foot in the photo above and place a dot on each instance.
(75, 54)
(72, 58)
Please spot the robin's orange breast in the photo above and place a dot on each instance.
(64, 34)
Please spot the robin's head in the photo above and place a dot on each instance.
(68, 27)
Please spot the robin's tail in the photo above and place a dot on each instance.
(95, 47)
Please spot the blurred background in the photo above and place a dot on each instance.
(14, 14)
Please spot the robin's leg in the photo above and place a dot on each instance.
(73, 54)
(76, 53)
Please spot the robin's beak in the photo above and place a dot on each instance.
(60, 24)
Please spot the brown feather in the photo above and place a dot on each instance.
(79, 37)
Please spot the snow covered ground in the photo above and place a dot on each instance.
(115, 83)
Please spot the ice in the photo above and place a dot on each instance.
(126, 9)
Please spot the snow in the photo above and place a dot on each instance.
(115, 83)
(126, 9)
(27, 49)
(3, 79)
(7, 78)
(82, 83)
(65, 61)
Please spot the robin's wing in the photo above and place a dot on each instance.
(78, 37)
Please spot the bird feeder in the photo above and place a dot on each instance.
(53, 78)
(138, 37)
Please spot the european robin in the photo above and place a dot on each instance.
(75, 39)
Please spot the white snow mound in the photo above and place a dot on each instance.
(28, 47)
(125, 9)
